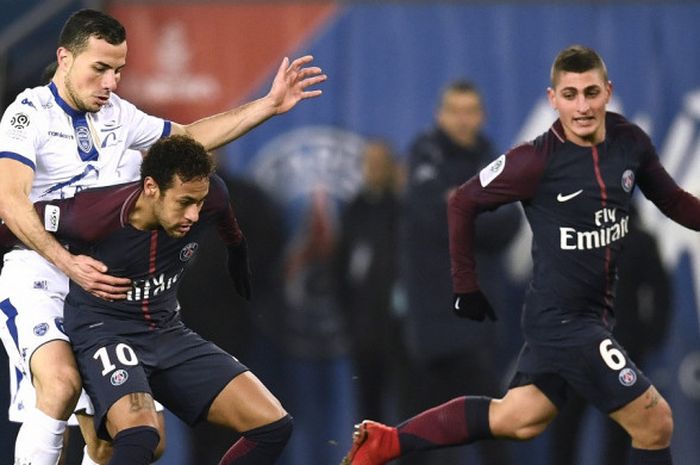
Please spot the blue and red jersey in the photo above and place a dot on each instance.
(95, 223)
(577, 202)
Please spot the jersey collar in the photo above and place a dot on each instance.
(62, 103)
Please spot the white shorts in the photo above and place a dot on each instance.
(32, 292)
(31, 305)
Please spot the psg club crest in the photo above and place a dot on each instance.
(119, 377)
(628, 180)
(188, 251)
(627, 377)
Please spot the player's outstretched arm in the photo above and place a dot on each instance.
(21, 218)
(291, 84)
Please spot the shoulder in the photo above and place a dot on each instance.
(620, 128)
(426, 148)
(30, 103)
(218, 197)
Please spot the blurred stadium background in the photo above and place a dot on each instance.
(386, 63)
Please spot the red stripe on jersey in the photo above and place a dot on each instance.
(603, 202)
(153, 249)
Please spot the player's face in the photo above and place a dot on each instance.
(461, 116)
(92, 75)
(581, 100)
(177, 208)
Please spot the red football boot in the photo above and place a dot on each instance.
(372, 444)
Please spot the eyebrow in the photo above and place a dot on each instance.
(592, 86)
(107, 65)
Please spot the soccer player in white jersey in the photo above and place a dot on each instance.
(54, 141)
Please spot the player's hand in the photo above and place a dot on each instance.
(473, 305)
(91, 275)
(239, 269)
(292, 81)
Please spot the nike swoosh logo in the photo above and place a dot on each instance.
(457, 303)
(567, 197)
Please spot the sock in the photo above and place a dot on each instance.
(134, 446)
(86, 458)
(260, 446)
(460, 421)
(651, 457)
(39, 440)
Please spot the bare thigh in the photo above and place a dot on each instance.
(245, 403)
(522, 414)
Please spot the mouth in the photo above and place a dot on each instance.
(102, 99)
(584, 120)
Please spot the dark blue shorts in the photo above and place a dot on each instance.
(174, 364)
(599, 370)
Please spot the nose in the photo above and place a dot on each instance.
(582, 104)
(110, 80)
(192, 213)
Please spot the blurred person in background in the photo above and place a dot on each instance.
(367, 272)
(59, 139)
(446, 353)
(643, 310)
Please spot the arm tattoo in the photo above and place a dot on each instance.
(141, 401)
(653, 398)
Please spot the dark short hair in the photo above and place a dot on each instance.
(460, 86)
(48, 73)
(577, 59)
(176, 155)
(87, 23)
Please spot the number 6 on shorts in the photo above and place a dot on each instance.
(611, 356)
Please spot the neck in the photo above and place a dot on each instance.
(141, 216)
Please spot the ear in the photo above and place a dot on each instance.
(552, 97)
(64, 58)
(150, 187)
(609, 88)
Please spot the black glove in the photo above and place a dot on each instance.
(239, 268)
(473, 305)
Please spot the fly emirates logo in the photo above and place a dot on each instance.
(142, 289)
(610, 229)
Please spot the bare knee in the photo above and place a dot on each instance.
(648, 420)
(99, 451)
(160, 448)
(658, 431)
(522, 414)
(57, 390)
(520, 426)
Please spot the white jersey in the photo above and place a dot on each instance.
(71, 150)
(68, 151)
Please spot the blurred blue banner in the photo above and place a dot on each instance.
(387, 64)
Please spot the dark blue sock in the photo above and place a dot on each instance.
(651, 457)
(134, 446)
(260, 446)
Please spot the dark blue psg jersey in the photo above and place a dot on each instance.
(577, 202)
(95, 223)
